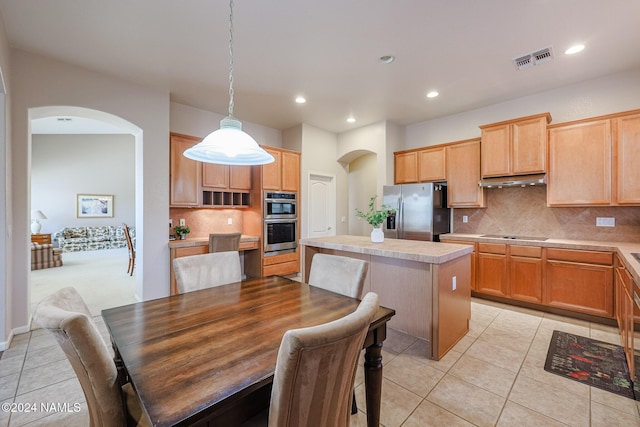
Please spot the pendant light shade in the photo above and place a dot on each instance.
(229, 145)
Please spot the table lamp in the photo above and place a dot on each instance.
(35, 224)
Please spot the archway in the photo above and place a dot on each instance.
(123, 126)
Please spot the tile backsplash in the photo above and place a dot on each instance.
(524, 212)
(201, 222)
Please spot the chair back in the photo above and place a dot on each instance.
(65, 314)
(338, 274)
(315, 370)
(224, 242)
(207, 270)
(132, 249)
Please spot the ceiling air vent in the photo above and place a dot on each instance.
(535, 58)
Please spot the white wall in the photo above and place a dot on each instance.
(195, 122)
(39, 82)
(362, 187)
(7, 282)
(63, 166)
(611, 94)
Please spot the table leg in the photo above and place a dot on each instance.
(373, 383)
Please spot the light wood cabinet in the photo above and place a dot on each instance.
(463, 174)
(225, 177)
(493, 277)
(580, 164)
(432, 164)
(515, 147)
(579, 281)
(624, 312)
(627, 160)
(184, 173)
(284, 173)
(474, 260)
(406, 167)
(525, 273)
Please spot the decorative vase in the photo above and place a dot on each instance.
(377, 235)
(183, 236)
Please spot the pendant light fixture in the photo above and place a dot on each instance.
(229, 145)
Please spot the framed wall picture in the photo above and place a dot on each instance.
(94, 206)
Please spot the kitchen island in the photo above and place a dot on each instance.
(427, 283)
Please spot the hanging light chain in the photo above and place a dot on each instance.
(230, 58)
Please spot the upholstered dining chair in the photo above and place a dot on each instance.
(338, 274)
(342, 275)
(132, 249)
(110, 404)
(224, 242)
(315, 370)
(207, 270)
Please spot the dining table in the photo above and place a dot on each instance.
(208, 357)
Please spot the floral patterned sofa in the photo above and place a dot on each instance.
(75, 239)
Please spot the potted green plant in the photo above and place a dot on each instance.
(375, 217)
(182, 231)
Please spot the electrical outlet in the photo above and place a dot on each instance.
(182, 222)
(465, 218)
(454, 285)
(170, 222)
(605, 222)
(229, 221)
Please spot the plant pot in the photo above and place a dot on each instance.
(183, 236)
(377, 235)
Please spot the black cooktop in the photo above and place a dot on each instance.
(511, 237)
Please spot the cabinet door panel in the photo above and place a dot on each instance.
(406, 167)
(290, 171)
(240, 177)
(529, 146)
(580, 164)
(272, 172)
(525, 279)
(184, 174)
(492, 274)
(580, 287)
(432, 165)
(215, 176)
(627, 160)
(496, 150)
(463, 174)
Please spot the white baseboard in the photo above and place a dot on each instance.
(4, 345)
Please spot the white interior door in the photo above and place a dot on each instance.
(322, 205)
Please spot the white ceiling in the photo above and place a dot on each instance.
(329, 51)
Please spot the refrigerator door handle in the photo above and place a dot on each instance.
(400, 222)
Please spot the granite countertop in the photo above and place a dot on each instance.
(624, 249)
(202, 241)
(412, 250)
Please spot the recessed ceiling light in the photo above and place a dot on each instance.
(574, 49)
(300, 100)
(387, 59)
(432, 94)
(351, 119)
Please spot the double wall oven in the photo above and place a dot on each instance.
(280, 223)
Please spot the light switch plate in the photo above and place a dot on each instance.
(605, 222)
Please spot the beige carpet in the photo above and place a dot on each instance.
(99, 276)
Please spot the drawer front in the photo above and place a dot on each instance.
(526, 251)
(191, 250)
(492, 248)
(588, 257)
(284, 268)
(279, 259)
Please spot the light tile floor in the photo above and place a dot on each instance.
(493, 377)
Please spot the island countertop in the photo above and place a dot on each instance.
(412, 250)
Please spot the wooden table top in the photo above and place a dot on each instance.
(197, 352)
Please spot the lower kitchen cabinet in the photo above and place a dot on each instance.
(474, 260)
(624, 312)
(525, 273)
(492, 269)
(580, 281)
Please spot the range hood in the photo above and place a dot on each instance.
(513, 181)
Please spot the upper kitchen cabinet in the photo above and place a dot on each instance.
(423, 165)
(284, 173)
(515, 147)
(463, 174)
(626, 156)
(225, 177)
(184, 173)
(580, 164)
(406, 167)
(595, 161)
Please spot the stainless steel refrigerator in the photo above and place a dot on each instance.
(421, 211)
